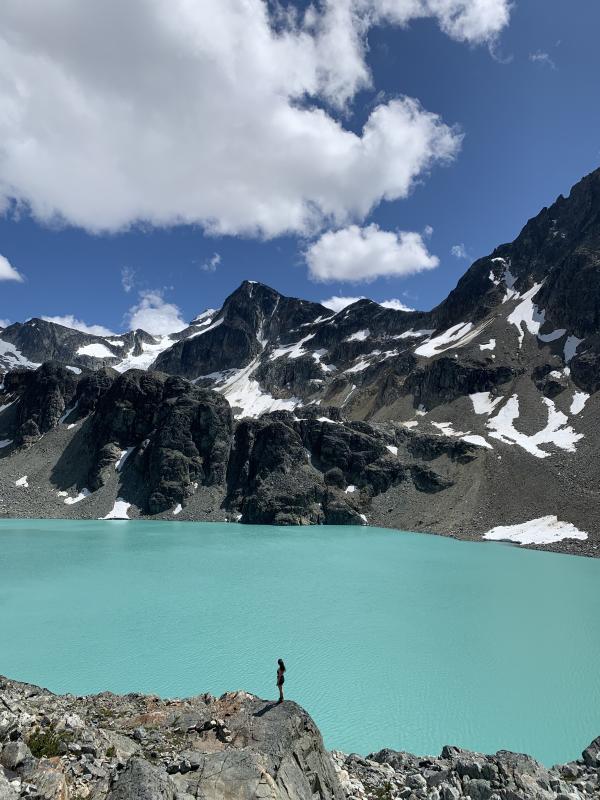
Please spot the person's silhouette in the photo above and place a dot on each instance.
(280, 678)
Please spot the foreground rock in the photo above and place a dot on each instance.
(139, 747)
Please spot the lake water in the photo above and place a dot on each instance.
(391, 639)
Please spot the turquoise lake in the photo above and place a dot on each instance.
(391, 639)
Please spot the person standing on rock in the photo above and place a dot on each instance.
(280, 678)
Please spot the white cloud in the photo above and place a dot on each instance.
(172, 111)
(154, 315)
(539, 57)
(337, 303)
(396, 304)
(363, 254)
(465, 20)
(127, 278)
(70, 321)
(460, 251)
(4, 323)
(212, 263)
(7, 271)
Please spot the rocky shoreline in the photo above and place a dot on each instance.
(141, 747)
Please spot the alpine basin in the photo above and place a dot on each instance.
(391, 639)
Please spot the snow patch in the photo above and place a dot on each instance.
(578, 402)
(483, 403)
(571, 346)
(22, 482)
(393, 450)
(295, 350)
(412, 334)
(206, 330)
(177, 510)
(544, 530)
(360, 366)
(350, 489)
(119, 510)
(81, 496)
(447, 429)
(359, 336)
(5, 443)
(488, 345)
(10, 352)
(526, 314)
(556, 432)
(411, 423)
(245, 394)
(95, 350)
(456, 336)
(123, 458)
(67, 412)
(75, 370)
(479, 441)
(149, 353)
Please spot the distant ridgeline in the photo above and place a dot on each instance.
(477, 417)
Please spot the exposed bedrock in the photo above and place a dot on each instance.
(183, 434)
(308, 470)
(447, 378)
(45, 395)
(239, 747)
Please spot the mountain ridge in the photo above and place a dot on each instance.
(434, 418)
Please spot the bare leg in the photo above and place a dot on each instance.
(280, 694)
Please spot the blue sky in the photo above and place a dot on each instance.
(525, 99)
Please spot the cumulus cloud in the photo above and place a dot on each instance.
(8, 272)
(127, 278)
(70, 321)
(212, 263)
(363, 254)
(212, 112)
(460, 251)
(539, 57)
(337, 303)
(396, 304)
(155, 315)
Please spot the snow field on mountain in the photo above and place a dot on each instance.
(544, 530)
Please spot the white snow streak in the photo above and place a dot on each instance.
(455, 336)
(123, 458)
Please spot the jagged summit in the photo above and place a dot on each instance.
(478, 413)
